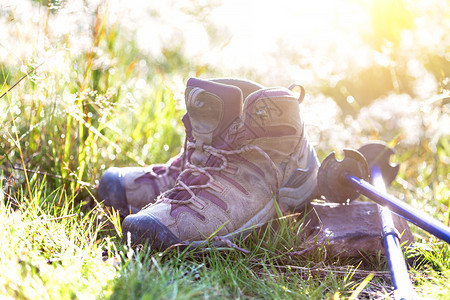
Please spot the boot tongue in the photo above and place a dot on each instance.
(211, 107)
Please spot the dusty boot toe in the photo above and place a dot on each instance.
(143, 228)
(111, 189)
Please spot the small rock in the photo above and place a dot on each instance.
(350, 230)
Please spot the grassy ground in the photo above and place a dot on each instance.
(79, 110)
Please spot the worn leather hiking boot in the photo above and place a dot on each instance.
(129, 189)
(239, 164)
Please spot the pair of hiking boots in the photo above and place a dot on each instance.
(246, 151)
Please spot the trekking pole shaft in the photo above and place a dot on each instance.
(397, 267)
(403, 288)
(418, 218)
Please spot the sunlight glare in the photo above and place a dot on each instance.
(260, 29)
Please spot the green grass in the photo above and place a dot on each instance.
(110, 104)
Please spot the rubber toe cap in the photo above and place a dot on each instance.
(111, 190)
(143, 228)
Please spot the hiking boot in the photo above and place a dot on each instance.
(237, 163)
(129, 189)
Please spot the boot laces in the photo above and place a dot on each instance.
(192, 171)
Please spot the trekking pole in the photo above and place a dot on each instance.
(340, 181)
(381, 174)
